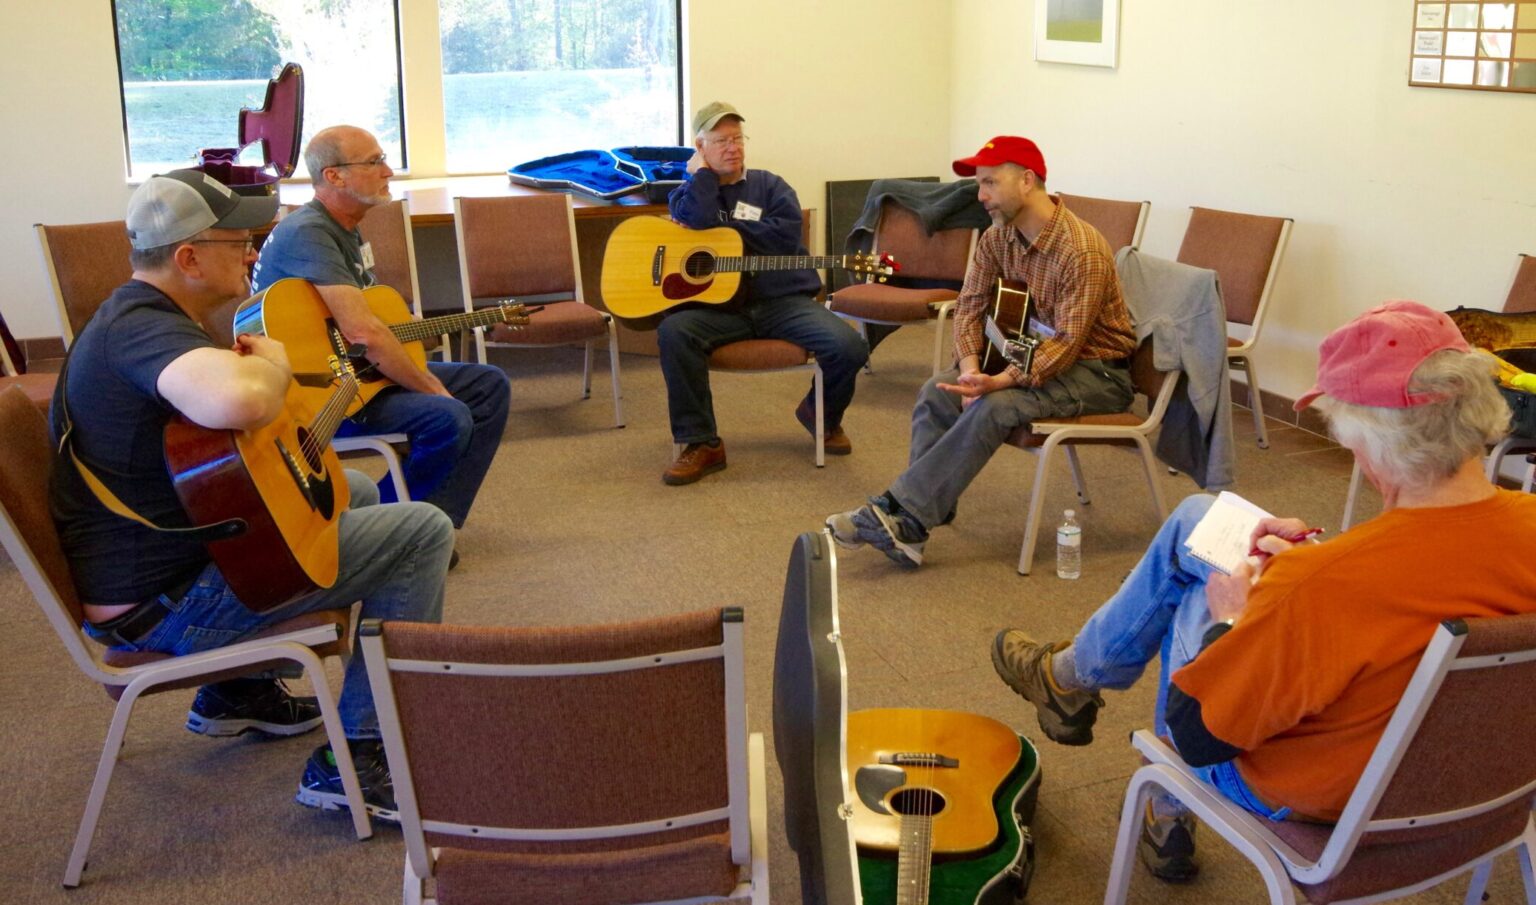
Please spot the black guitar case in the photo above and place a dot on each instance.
(810, 707)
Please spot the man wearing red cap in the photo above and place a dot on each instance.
(963, 415)
(1327, 636)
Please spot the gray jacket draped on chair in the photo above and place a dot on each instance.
(1180, 307)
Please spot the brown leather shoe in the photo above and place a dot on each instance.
(696, 461)
(834, 440)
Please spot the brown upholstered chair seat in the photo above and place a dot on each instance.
(659, 873)
(884, 302)
(1025, 437)
(38, 387)
(342, 618)
(559, 322)
(758, 355)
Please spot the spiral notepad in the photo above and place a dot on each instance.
(1222, 537)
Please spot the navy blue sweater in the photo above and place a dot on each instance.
(701, 202)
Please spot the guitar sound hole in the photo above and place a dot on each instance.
(699, 264)
(311, 456)
(918, 802)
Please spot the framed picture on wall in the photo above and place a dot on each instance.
(1085, 32)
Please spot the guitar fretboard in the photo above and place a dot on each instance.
(914, 865)
(415, 331)
(740, 263)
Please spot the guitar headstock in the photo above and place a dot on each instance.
(515, 313)
(875, 265)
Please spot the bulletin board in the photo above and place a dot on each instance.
(1489, 45)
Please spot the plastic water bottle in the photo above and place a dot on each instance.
(1069, 546)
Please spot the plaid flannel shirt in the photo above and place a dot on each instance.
(1070, 272)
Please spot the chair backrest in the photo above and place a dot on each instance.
(387, 230)
(86, 262)
(1522, 292)
(1120, 222)
(12, 361)
(555, 740)
(26, 523)
(945, 255)
(517, 246)
(1460, 749)
(1245, 251)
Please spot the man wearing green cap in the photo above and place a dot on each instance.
(721, 191)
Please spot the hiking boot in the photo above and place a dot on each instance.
(899, 536)
(1167, 846)
(251, 705)
(834, 440)
(696, 461)
(1024, 663)
(321, 786)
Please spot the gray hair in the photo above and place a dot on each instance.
(153, 258)
(1426, 443)
(323, 152)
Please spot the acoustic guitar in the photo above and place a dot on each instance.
(292, 312)
(1006, 328)
(942, 807)
(652, 264)
(283, 480)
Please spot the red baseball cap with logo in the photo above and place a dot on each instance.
(1370, 360)
(1004, 149)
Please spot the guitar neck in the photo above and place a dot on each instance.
(741, 263)
(416, 331)
(914, 865)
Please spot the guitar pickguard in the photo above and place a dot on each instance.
(317, 488)
(677, 287)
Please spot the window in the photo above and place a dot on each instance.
(524, 79)
(188, 66)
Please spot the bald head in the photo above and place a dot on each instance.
(335, 145)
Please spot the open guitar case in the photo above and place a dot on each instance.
(276, 125)
(607, 175)
(810, 720)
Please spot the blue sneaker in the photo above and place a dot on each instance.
(898, 536)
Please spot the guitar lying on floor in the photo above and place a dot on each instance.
(292, 312)
(283, 480)
(942, 808)
(652, 264)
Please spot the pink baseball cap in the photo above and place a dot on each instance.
(1369, 360)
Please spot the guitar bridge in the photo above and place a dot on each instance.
(656, 261)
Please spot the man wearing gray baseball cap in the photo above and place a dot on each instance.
(146, 357)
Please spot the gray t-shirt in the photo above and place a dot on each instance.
(312, 246)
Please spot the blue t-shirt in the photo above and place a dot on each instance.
(310, 245)
(119, 418)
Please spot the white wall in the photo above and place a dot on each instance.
(1297, 108)
(844, 90)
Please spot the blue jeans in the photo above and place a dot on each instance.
(687, 337)
(393, 558)
(950, 446)
(452, 440)
(1160, 611)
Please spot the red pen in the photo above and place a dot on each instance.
(1310, 532)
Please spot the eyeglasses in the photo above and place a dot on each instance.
(734, 141)
(378, 161)
(249, 244)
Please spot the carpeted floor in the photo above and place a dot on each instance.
(574, 525)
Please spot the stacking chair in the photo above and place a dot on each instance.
(1245, 251)
(387, 229)
(1127, 430)
(13, 372)
(766, 356)
(1121, 223)
(1521, 299)
(933, 260)
(1448, 788)
(85, 262)
(523, 246)
(567, 766)
(30, 539)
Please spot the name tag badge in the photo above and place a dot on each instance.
(367, 252)
(745, 211)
